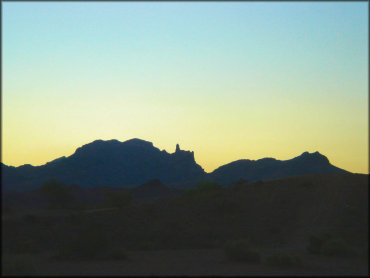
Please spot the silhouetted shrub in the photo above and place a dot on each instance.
(24, 244)
(330, 245)
(316, 242)
(48, 221)
(58, 194)
(284, 259)
(207, 186)
(90, 242)
(241, 250)
(31, 219)
(115, 198)
(18, 265)
(145, 245)
(73, 218)
(7, 210)
(204, 188)
(337, 247)
(117, 253)
(239, 183)
(225, 206)
(307, 184)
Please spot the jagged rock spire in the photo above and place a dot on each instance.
(177, 148)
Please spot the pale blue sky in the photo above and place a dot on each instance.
(205, 75)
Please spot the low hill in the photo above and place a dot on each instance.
(270, 168)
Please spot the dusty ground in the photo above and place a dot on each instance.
(198, 263)
(55, 213)
(276, 213)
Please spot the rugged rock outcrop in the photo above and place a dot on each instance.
(109, 163)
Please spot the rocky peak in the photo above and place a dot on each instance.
(183, 155)
(138, 142)
(315, 156)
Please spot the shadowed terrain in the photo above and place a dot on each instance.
(275, 215)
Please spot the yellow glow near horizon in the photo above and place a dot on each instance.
(224, 82)
(218, 133)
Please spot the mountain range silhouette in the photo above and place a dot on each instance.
(134, 162)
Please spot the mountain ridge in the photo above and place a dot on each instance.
(135, 161)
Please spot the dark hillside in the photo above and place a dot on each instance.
(270, 168)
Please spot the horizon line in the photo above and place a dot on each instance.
(61, 157)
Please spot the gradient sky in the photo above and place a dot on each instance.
(226, 80)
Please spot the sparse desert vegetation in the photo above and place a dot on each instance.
(284, 259)
(337, 247)
(18, 264)
(330, 245)
(275, 216)
(241, 251)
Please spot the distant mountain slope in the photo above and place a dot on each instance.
(134, 162)
(270, 168)
(109, 163)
